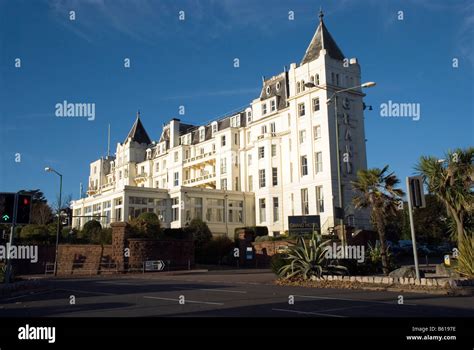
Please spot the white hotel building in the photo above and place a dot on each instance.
(274, 159)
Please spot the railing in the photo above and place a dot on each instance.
(198, 157)
(141, 175)
(199, 178)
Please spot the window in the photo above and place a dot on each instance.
(261, 178)
(186, 154)
(275, 176)
(249, 117)
(224, 184)
(275, 209)
(316, 105)
(292, 200)
(268, 90)
(215, 210)
(311, 79)
(176, 178)
(248, 136)
(194, 209)
(235, 211)
(223, 165)
(223, 141)
(125, 175)
(273, 105)
(264, 108)
(202, 134)
(235, 121)
(264, 129)
(236, 183)
(289, 120)
(278, 86)
(236, 139)
(304, 166)
(250, 183)
(273, 128)
(304, 201)
(319, 162)
(316, 80)
(298, 87)
(120, 174)
(302, 136)
(274, 150)
(317, 132)
(261, 152)
(319, 199)
(262, 207)
(176, 157)
(337, 79)
(249, 159)
(302, 85)
(214, 128)
(175, 209)
(333, 80)
(301, 109)
(95, 169)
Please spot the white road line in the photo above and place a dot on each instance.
(356, 300)
(309, 313)
(225, 291)
(185, 301)
(84, 291)
(30, 295)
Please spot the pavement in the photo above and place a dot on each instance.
(226, 293)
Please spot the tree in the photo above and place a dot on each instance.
(200, 231)
(452, 181)
(377, 190)
(41, 213)
(92, 231)
(146, 225)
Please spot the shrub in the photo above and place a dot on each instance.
(91, 231)
(373, 259)
(199, 231)
(216, 251)
(257, 231)
(175, 233)
(38, 234)
(146, 225)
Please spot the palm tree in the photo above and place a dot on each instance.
(376, 190)
(452, 181)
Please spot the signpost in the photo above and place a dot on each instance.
(301, 224)
(154, 265)
(416, 199)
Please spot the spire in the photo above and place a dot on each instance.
(138, 132)
(322, 40)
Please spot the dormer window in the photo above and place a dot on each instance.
(278, 86)
(148, 153)
(268, 90)
(235, 121)
(214, 128)
(249, 116)
(202, 133)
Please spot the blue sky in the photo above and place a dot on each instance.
(190, 63)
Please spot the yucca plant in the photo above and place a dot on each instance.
(307, 260)
(465, 265)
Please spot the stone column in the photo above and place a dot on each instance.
(120, 232)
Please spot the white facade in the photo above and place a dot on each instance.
(275, 159)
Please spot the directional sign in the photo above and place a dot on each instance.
(7, 206)
(154, 265)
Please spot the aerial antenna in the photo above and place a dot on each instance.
(80, 190)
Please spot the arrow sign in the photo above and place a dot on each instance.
(154, 265)
(5, 217)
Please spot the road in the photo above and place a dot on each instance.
(248, 293)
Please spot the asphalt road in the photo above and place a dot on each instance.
(248, 293)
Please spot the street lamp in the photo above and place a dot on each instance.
(51, 170)
(368, 84)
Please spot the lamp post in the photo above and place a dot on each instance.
(338, 161)
(51, 170)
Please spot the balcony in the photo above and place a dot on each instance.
(141, 177)
(201, 158)
(107, 186)
(92, 190)
(200, 180)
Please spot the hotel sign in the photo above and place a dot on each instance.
(301, 224)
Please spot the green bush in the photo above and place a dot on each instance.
(91, 231)
(199, 231)
(37, 234)
(216, 251)
(146, 225)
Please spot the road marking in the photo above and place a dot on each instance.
(225, 291)
(185, 301)
(309, 313)
(84, 291)
(29, 295)
(357, 300)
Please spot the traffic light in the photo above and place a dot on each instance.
(24, 209)
(7, 205)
